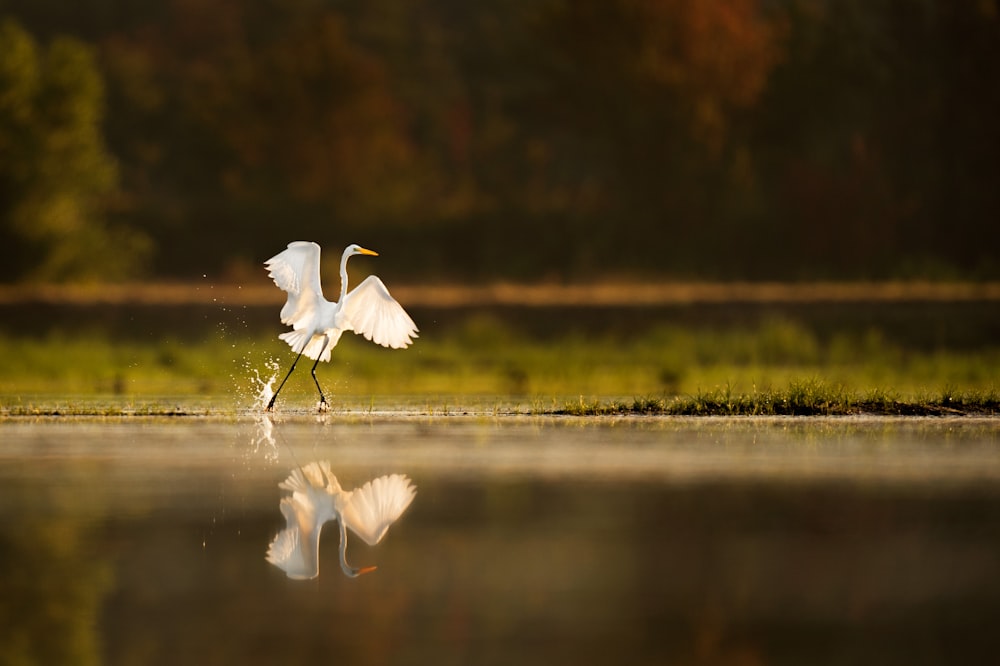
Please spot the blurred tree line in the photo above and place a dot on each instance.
(753, 139)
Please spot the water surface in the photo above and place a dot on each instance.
(530, 540)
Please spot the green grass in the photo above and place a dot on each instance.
(798, 399)
(776, 367)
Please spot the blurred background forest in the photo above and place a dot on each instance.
(502, 140)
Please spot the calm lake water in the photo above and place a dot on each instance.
(529, 541)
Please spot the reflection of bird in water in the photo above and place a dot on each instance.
(317, 498)
(317, 323)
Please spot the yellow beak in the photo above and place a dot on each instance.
(370, 252)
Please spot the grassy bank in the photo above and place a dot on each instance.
(807, 399)
(798, 399)
(776, 365)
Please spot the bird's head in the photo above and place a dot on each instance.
(357, 249)
(354, 572)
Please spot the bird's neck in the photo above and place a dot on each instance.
(344, 566)
(343, 276)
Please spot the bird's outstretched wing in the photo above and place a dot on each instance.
(284, 553)
(295, 550)
(296, 271)
(371, 311)
(375, 506)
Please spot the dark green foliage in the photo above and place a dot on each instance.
(56, 176)
(509, 140)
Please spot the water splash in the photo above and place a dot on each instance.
(264, 388)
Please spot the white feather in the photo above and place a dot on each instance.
(369, 310)
(372, 508)
(296, 271)
(372, 312)
(317, 498)
(295, 550)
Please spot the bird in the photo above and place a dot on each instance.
(317, 323)
(317, 498)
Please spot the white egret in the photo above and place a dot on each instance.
(317, 324)
(318, 498)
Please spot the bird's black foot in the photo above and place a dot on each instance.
(323, 406)
(270, 405)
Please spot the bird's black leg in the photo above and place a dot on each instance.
(322, 398)
(323, 406)
(270, 405)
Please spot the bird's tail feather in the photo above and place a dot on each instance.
(296, 481)
(312, 346)
(296, 339)
(312, 475)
